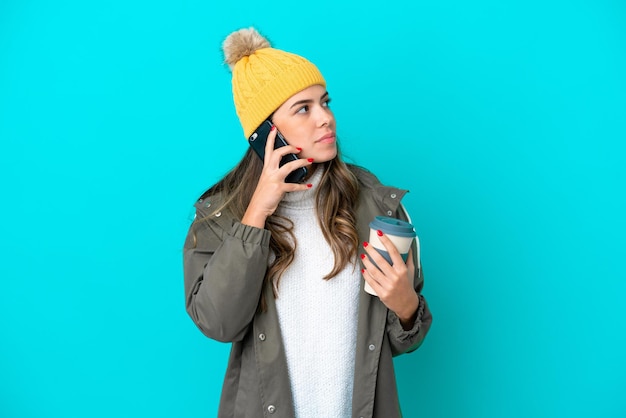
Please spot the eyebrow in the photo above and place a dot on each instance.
(305, 101)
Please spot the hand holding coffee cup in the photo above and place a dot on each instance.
(400, 233)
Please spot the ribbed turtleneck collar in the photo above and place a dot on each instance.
(303, 199)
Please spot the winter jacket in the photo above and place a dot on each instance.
(224, 265)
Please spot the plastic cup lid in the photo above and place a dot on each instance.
(393, 226)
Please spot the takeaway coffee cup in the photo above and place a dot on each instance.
(400, 233)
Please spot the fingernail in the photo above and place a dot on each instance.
(365, 244)
(309, 185)
(310, 160)
(273, 127)
(299, 149)
(362, 271)
(362, 256)
(379, 233)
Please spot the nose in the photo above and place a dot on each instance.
(325, 117)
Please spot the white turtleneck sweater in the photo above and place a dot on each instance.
(318, 318)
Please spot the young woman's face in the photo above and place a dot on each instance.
(306, 121)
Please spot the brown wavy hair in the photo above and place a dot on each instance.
(336, 197)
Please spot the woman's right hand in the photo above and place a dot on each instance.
(272, 186)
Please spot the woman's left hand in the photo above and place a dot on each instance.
(392, 283)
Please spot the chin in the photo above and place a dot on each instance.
(325, 157)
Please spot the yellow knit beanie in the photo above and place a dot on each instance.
(264, 77)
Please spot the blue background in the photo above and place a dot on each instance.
(506, 120)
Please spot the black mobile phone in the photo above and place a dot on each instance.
(257, 141)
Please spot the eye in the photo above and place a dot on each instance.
(326, 103)
(303, 109)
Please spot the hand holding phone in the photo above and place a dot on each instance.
(257, 141)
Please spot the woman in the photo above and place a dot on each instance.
(273, 266)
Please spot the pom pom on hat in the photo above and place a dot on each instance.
(263, 77)
(242, 43)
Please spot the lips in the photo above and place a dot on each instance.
(329, 137)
